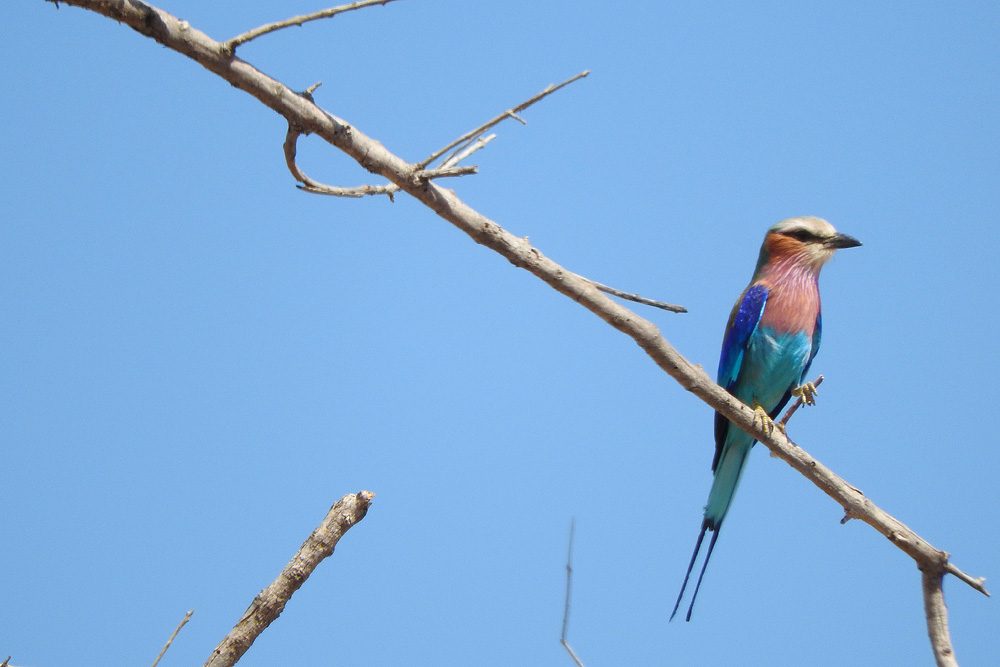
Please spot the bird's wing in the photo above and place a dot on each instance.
(743, 322)
(817, 336)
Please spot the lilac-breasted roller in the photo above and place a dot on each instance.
(771, 339)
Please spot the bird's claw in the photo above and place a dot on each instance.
(762, 420)
(806, 392)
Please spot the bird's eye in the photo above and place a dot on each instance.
(803, 235)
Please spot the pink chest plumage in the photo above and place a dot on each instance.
(792, 302)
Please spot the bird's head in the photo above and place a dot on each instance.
(805, 241)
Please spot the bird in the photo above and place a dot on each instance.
(770, 341)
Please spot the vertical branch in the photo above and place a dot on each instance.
(569, 588)
(937, 618)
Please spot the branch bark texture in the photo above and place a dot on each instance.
(271, 601)
(302, 113)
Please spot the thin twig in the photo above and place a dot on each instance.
(445, 172)
(673, 308)
(461, 154)
(467, 144)
(472, 135)
(6, 662)
(798, 404)
(937, 618)
(569, 587)
(173, 636)
(979, 583)
(271, 601)
(230, 45)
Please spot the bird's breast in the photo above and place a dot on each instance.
(773, 363)
(792, 310)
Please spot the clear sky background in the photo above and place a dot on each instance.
(198, 359)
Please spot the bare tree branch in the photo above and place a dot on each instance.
(628, 296)
(468, 143)
(937, 618)
(271, 601)
(373, 156)
(469, 149)
(229, 46)
(563, 639)
(173, 636)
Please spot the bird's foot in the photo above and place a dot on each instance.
(762, 420)
(806, 392)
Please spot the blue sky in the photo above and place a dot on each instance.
(199, 359)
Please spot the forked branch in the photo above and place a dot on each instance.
(473, 135)
(467, 144)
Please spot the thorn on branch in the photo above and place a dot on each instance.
(511, 114)
(308, 92)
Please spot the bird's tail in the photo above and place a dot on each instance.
(687, 575)
(727, 478)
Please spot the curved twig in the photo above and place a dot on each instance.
(290, 148)
(315, 187)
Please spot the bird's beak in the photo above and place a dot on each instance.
(842, 241)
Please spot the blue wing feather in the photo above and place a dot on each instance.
(742, 323)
